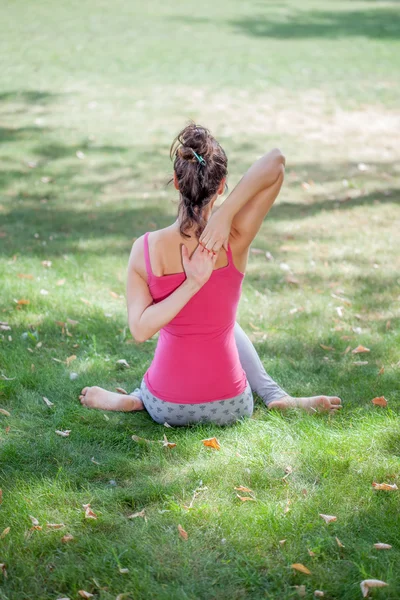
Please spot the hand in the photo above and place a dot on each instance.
(199, 268)
(217, 231)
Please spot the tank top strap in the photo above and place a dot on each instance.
(147, 255)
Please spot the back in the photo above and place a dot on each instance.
(196, 358)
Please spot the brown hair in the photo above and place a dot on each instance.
(198, 176)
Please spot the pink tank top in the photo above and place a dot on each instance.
(196, 359)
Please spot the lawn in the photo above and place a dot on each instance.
(91, 96)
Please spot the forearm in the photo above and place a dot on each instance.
(261, 175)
(156, 316)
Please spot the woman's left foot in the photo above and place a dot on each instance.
(311, 404)
(97, 397)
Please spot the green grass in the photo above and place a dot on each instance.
(116, 81)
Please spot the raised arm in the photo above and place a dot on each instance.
(243, 212)
(145, 318)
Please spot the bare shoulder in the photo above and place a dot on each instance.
(136, 259)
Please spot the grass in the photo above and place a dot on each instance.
(91, 96)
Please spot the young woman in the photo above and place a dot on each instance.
(185, 282)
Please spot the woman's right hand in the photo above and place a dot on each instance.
(200, 266)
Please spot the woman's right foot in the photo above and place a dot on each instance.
(310, 404)
(97, 397)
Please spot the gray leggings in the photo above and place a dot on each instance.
(221, 412)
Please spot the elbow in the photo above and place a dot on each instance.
(279, 157)
(138, 335)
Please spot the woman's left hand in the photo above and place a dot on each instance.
(217, 231)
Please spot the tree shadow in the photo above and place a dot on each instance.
(376, 23)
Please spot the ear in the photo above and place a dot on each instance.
(221, 187)
(176, 184)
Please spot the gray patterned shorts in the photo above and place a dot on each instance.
(220, 412)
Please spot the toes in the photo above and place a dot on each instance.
(84, 391)
(335, 400)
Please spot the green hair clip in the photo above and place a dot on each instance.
(199, 158)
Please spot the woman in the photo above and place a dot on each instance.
(185, 282)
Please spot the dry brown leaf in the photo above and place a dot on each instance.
(360, 350)
(36, 528)
(182, 532)
(301, 568)
(212, 443)
(292, 279)
(5, 532)
(113, 294)
(326, 347)
(137, 514)
(387, 487)
(121, 390)
(46, 263)
(311, 553)
(347, 350)
(242, 488)
(166, 443)
(339, 543)
(70, 359)
(4, 412)
(245, 498)
(380, 546)
(380, 401)
(47, 401)
(60, 282)
(381, 370)
(25, 276)
(370, 583)
(89, 514)
(318, 594)
(55, 525)
(67, 538)
(123, 571)
(84, 594)
(86, 301)
(328, 518)
(35, 522)
(282, 542)
(22, 302)
(63, 433)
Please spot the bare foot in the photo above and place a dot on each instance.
(97, 397)
(312, 404)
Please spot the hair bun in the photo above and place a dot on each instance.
(186, 153)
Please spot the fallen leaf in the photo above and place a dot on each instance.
(86, 301)
(385, 486)
(36, 528)
(339, 543)
(168, 425)
(35, 522)
(47, 401)
(84, 594)
(60, 282)
(244, 498)
(47, 263)
(326, 347)
(4, 412)
(381, 370)
(166, 443)
(67, 538)
(370, 583)
(55, 525)
(63, 433)
(25, 276)
(311, 553)
(380, 546)
(347, 350)
(282, 542)
(319, 594)
(22, 302)
(292, 279)
(380, 401)
(4, 570)
(70, 359)
(89, 514)
(242, 488)
(122, 363)
(182, 532)
(212, 443)
(138, 514)
(94, 461)
(301, 568)
(123, 571)
(5, 532)
(360, 350)
(113, 294)
(328, 518)
(121, 391)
